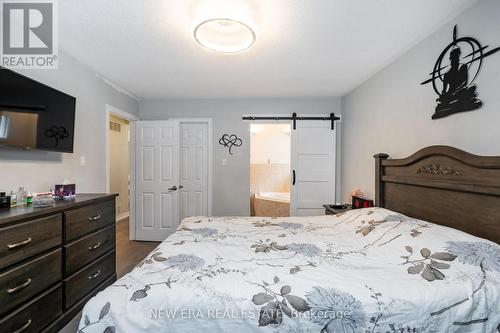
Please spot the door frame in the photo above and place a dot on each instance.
(208, 121)
(112, 110)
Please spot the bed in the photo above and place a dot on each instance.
(384, 269)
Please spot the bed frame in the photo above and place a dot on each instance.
(443, 185)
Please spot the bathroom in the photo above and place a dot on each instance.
(270, 151)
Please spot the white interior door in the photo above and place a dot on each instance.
(313, 167)
(194, 169)
(157, 178)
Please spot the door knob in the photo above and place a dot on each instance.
(173, 188)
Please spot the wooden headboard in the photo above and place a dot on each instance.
(443, 185)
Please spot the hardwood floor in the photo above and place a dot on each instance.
(129, 253)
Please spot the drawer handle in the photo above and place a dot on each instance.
(19, 287)
(16, 245)
(95, 275)
(94, 218)
(22, 329)
(93, 247)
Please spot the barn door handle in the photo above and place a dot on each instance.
(173, 188)
(293, 177)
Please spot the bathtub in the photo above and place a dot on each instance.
(275, 196)
(273, 204)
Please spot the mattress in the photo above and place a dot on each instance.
(367, 270)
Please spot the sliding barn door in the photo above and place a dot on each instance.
(156, 177)
(313, 167)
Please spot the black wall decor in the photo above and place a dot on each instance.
(454, 82)
(58, 133)
(230, 141)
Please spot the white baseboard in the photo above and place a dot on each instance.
(122, 216)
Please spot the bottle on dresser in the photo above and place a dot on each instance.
(21, 196)
(13, 199)
(4, 200)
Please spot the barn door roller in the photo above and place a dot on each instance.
(294, 118)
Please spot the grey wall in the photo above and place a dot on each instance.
(391, 112)
(39, 171)
(231, 183)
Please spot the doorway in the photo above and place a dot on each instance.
(119, 163)
(270, 154)
(118, 143)
(304, 181)
(171, 175)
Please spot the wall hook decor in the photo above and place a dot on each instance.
(453, 82)
(230, 141)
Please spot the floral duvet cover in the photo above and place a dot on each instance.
(368, 270)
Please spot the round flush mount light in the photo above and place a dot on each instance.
(224, 35)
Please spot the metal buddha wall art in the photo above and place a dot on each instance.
(453, 81)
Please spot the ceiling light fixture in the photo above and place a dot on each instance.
(224, 35)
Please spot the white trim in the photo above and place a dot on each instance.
(208, 121)
(122, 216)
(131, 225)
(111, 110)
(120, 113)
(117, 87)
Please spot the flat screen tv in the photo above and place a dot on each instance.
(33, 115)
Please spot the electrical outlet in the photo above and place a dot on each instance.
(83, 161)
(224, 161)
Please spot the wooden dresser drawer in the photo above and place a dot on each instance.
(22, 282)
(36, 315)
(88, 278)
(27, 239)
(81, 221)
(87, 249)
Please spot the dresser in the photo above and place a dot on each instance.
(53, 260)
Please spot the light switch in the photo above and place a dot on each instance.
(224, 161)
(83, 161)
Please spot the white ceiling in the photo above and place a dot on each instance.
(304, 48)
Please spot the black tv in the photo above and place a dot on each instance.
(34, 115)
